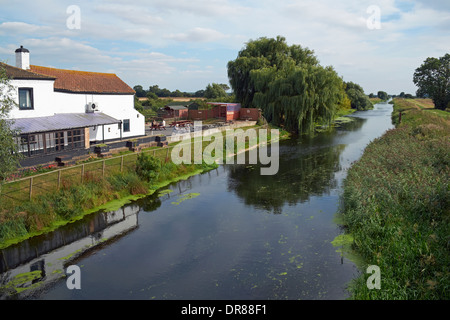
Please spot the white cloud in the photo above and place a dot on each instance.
(16, 27)
(165, 39)
(204, 8)
(198, 35)
(131, 14)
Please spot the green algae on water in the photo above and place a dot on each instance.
(18, 282)
(186, 197)
(345, 242)
(342, 240)
(164, 192)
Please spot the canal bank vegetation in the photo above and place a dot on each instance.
(74, 200)
(395, 206)
(102, 188)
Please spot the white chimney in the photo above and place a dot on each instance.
(23, 58)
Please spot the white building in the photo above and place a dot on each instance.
(60, 110)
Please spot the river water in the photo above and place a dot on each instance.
(230, 233)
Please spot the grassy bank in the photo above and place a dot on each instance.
(395, 206)
(74, 199)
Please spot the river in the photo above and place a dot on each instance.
(230, 233)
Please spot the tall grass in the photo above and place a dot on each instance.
(73, 199)
(396, 206)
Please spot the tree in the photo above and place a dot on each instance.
(382, 95)
(199, 94)
(433, 79)
(259, 54)
(287, 83)
(214, 91)
(138, 105)
(224, 86)
(140, 92)
(359, 100)
(9, 156)
(159, 92)
(177, 93)
(152, 96)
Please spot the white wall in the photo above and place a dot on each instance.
(43, 98)
(47, 102)
(118, 106)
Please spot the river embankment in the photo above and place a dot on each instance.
(72, 202)
(394, 206)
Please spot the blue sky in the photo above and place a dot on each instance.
(186, 44)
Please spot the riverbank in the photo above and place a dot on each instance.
(74, 201)
(395, 206)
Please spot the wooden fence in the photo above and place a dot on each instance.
(26, 188)
(32, 186)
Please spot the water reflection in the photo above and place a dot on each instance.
(307, 168)
(209, 237)
(40, 261)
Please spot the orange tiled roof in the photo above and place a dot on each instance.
(18, 73)
(84, 82)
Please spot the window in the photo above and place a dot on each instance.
(75, 139)
(126, 125)
(26, 98)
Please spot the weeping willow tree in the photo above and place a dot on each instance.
(286, 83)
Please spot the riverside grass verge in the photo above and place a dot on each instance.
(73, 201)
(395, 206)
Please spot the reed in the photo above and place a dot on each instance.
(395, 204)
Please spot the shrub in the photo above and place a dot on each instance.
(147, 167)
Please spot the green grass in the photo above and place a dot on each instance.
(72, 200)
(395, 205)
(344, 112)
(375, 100)
(79, 194)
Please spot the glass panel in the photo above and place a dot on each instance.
(50, 141)
(25, 99)
(126, 125)
(23, 147)
(32, 142)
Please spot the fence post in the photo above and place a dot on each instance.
(59, 178)
(121, 164)
(103, 169)
(82, 173)
(31, 186)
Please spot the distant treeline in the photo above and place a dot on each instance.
(384, 96)
(212, 91)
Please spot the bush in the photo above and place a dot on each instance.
(147, 167)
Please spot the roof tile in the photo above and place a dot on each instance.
(84, 82)
(20, 74)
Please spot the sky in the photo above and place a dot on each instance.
(186, 44)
